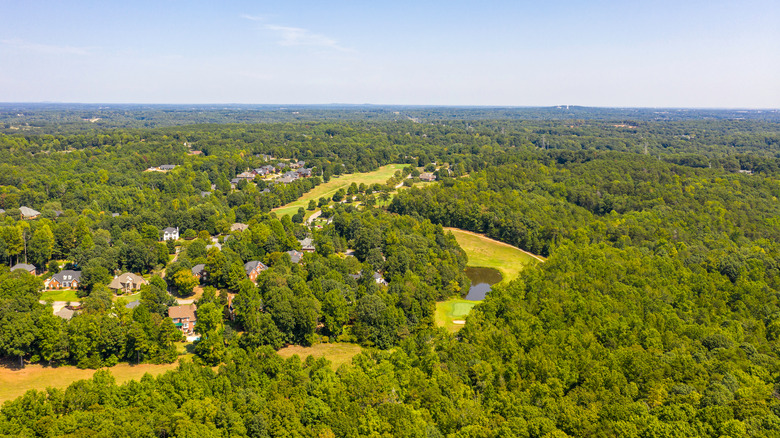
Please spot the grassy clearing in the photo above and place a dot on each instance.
(447, 312)
(482, 252)
(60, 295)
(327, 189)
(489, 253)
(337, 353)
(16, 382)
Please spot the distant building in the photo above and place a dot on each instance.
(238, 226)
(296, 164)
(307, 245)
(24, 267)
(65, 313)
(167, 167)
(295, 256)
(171, 233)
(253, 269)
(427, 176)
(29, 213)
(127, 282)
(184, 317)
(64, 279)
(249, 176)
(199, 271)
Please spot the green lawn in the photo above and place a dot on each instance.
(337, 353)
(327, 189)
(60, 295)
(485, 252)
(482, 252)
(447, 312)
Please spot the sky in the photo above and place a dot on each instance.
(693, 54)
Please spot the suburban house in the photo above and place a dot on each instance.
(249, 176)
(307, 245)
(297, 164)
(295, 256)
(427, 176)
(199, 271)
(265, 157)
(127, 282)
(253, 269)
(64, 279)
(184, 317)
(24, 267)
(378, 279)
(238, 226)
(167, 167)
(65, 313)
(29, 213)
(171, 233)
(304, 173)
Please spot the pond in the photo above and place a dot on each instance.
(481, 281)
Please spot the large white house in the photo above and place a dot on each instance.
(171, 233)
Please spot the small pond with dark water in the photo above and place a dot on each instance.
(481, 281)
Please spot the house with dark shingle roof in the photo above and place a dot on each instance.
(24, 267)
(171, 233)
(253, 269)
(199, 271)
(64, 279)
(295, 256)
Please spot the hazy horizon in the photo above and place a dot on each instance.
(696, 55)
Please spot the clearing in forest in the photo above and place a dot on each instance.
(16, 382)
(337, 353)
(487, 253)
(451, 314)
(329, 188)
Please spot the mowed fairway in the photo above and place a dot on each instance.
(329, 188)
(487, 253)
(338, 354)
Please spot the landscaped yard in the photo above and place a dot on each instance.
(60, 295)
(329, 188)
(338, 353)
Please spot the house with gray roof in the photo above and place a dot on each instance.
(253, 269)
(64, 279)
(295, 256)
(29, 213)
(171, 233)
(24, 267)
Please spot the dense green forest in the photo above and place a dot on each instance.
(656, 314)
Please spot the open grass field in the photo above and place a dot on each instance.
(60, 295)
(327, 189)
(15, 382)
(338, 353)
(486, 252)
(451, 314)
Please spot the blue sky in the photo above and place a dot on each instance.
(722, 54)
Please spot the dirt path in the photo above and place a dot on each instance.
(498, 242)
